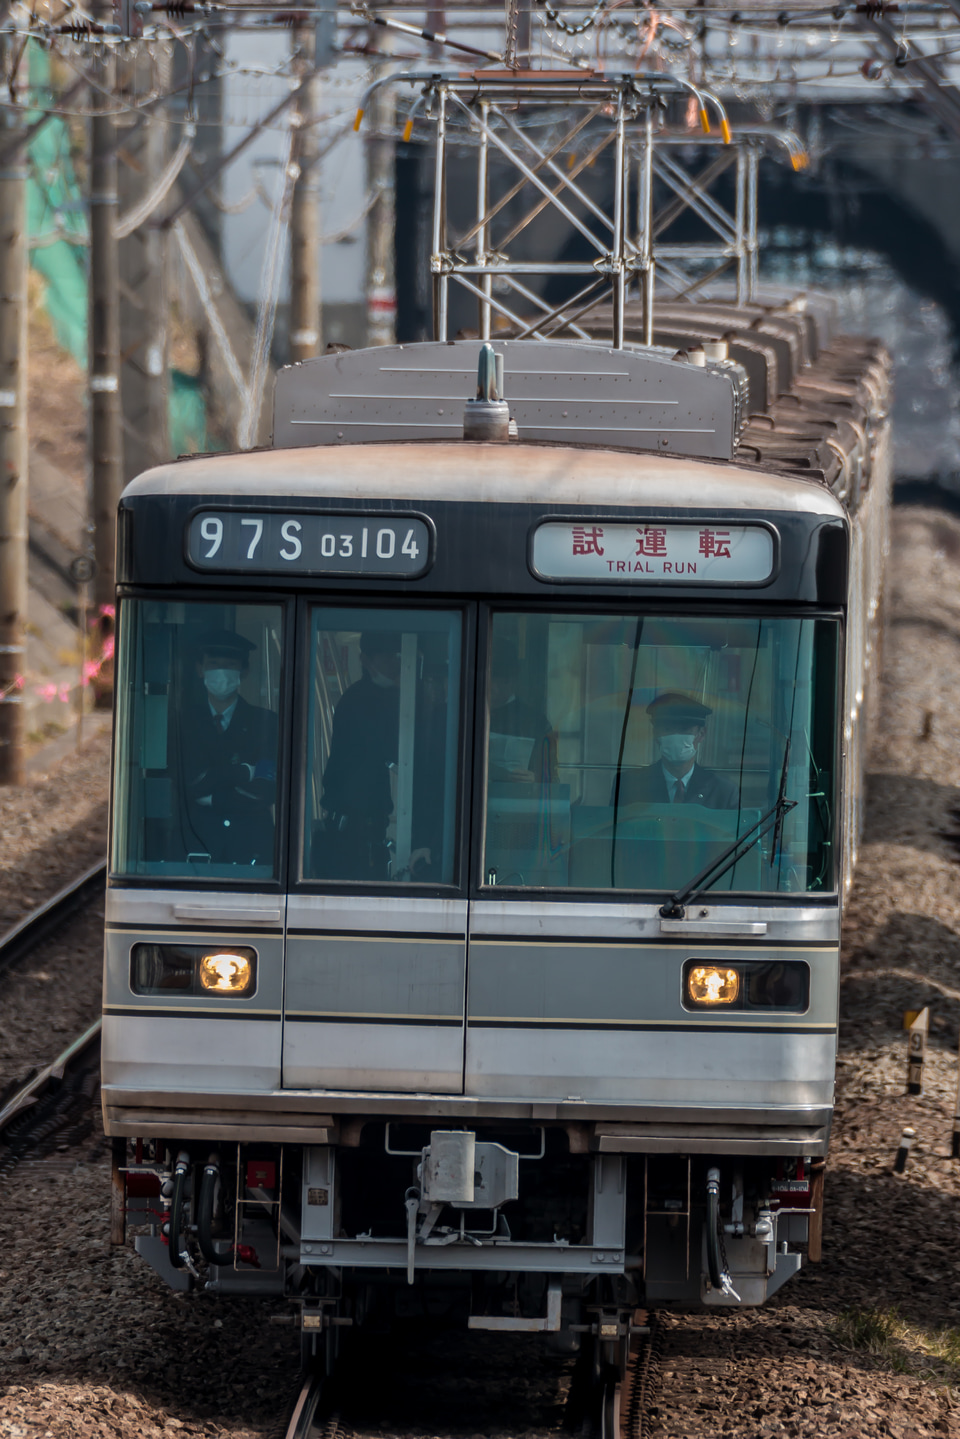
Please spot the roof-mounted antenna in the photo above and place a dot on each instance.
(488, 416)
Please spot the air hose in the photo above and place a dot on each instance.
(205, 1208)
(714, 1261)
(208, 1195)
(180, 1172)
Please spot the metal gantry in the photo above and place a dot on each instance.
(548, 130)
(735, 231)
(477, 259)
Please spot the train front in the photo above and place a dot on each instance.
(473, 913)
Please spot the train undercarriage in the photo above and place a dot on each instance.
(515, 1229)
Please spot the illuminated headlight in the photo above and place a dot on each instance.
(192, 969)
(226, 973)
(712, 984)
(747, 984)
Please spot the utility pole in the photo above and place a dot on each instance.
(106, 438)
(382, 220)
(13, 432)
(305, 293)
(142, 276)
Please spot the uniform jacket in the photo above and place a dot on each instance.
(230, 808)
(357, 792)
(705, 786)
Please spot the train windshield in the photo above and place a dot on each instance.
(627, 753)
(197, 740)
(383, 724)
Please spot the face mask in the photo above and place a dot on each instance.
(221, 682)
(380, 680)
(675, 748)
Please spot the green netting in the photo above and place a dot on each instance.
(57, 226)
(188, 415)
(56, 218)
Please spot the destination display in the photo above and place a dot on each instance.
(271, 542)
(707, 553)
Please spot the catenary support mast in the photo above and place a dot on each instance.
(13, 435)
(305, 301)
(106, 440)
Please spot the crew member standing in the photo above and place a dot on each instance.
(229, 756)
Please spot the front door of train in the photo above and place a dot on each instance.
(375, 972)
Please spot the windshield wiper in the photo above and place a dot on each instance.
(734, 852)
(727, 858)
(781, 794)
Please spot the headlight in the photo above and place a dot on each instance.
(747, 984)
(192, 969)
(709, 984)
(226, 973)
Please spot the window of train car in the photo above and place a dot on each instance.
(627, 753)
(197, 740)
(383, 725)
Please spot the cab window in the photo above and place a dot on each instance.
(627, 752)
(198, 693)
(382, 744)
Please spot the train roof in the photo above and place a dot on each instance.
(739, 405)
(516, 473)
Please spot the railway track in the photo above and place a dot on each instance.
(49, 916)
(306, 1419)
(321, 1407)
(54, 1100)
(636, 1394)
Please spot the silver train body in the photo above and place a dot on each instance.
(517, 1074)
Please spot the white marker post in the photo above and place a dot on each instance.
(916, 1022)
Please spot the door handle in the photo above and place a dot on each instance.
(208, 914)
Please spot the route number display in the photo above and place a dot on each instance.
(271, 542)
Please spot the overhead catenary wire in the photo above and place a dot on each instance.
(269, 295)
(133, 219)
(217, 329)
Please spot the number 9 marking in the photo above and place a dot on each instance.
(211, 530)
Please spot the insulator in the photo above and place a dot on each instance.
(78, 30)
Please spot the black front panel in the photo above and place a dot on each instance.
(477, 548)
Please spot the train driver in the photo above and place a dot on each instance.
(229, 750)
(676, 777)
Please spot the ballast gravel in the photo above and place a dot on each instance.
(53, 828)
(92, 1345)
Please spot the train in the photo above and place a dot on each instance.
(487, 783)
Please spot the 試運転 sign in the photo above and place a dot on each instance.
(692, 553)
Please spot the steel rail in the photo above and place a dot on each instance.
(305, 1409)
(25, 1094)
(50, 915)
(20, 940)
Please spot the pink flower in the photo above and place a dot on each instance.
(47, 692)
